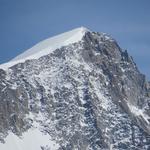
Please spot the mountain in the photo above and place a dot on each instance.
(75, 91)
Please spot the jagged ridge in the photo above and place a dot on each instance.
(85, 95)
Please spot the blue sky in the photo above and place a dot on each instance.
(24, 23)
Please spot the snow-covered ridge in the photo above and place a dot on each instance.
(48, 46)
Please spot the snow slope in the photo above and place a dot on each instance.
(48, 46)
(33, 139)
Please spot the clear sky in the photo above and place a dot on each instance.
(24, 23)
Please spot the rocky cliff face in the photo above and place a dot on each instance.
(88, 95)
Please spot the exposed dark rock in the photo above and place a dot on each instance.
(90, 92)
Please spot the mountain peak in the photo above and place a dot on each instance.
(52, 43)
(85, 95)
(48, 46)
(83, 29)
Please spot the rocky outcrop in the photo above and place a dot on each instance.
(90, 95)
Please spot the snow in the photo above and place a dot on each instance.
(138, 112)
(105, 101)
(33, 139)
(48, 46)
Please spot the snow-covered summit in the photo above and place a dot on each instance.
(85, 95)
(48, 46)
